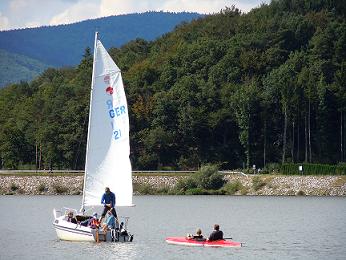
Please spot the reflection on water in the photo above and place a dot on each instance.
(105, 250)
(271, 227)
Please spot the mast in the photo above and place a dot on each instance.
(91, 95)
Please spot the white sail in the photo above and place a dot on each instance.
(108, 147)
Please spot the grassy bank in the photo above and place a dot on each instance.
(267, 185)
(207, 181)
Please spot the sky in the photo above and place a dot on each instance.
(33, 13)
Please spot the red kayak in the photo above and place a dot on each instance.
(193, 242)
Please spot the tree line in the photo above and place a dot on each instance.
(229, 88)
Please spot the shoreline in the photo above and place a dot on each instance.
(252, 185)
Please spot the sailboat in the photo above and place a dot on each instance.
(107, 154)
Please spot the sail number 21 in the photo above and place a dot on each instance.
(117, 134)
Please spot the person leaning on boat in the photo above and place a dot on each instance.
(108, 200)
(71, 218)
(92, 222)
(217, 234)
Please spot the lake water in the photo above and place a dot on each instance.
(270, 227)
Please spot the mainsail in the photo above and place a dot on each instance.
(108, 146)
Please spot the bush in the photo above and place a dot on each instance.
(163, 190)
(205, 180)
(13, 187)
(41, 187)
(301, 193)
(208, 177)
(257, 183)
(186, 184)
(60, 189)
(232, 187)
(244, 190)
(145, 189)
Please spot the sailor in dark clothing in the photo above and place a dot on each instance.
(217, 234)
(108, 200)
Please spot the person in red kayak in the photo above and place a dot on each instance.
(197, 236)
(217, 234)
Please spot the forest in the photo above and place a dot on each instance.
(233, 89)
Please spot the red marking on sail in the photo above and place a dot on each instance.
(106, 79)
(109, 90)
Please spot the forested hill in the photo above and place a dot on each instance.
(16, 67)
(64, 45)
(235, 89)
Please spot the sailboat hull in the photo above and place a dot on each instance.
(72, 232)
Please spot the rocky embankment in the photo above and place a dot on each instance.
(247, 185)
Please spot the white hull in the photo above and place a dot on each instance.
(72, 232)
(75, 232)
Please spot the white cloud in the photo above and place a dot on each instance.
(4, 24)
(79, 11)
(195, 5)
(31, 13)
(112, 7)
(20, 4)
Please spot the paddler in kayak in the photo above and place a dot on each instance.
(217, 234)
(198, 236)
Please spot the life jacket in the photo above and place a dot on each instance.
(94, 223)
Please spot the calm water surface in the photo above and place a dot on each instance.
(270, 227)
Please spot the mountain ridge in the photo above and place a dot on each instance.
(63, 45)
(12, 65)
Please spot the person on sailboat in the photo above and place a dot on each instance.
(110, 222)
(92, 221)
(71, 218)
(108, 200)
